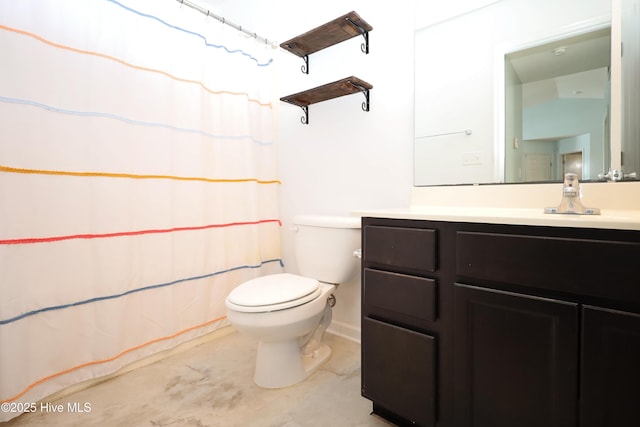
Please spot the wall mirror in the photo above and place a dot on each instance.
(526, 93)
(557, 109)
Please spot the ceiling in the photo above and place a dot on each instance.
(581, 53)
(577, 67)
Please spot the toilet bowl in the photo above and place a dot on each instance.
(283, 358)
(288, 313)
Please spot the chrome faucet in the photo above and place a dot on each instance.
(571, 203)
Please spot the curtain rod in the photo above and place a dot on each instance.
(273, 44)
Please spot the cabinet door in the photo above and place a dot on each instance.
(398, 371)
(610, 382)
(515, 359)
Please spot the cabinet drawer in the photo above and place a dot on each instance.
(399, 298)
(398, 370)
(598, 268)
(411, 248)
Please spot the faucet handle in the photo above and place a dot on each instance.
(612, 175)
(617, 175)
(569, 177)
(571, 184)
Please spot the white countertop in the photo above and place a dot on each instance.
(521, 204)
(609, 219)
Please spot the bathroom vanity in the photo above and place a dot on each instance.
(473, 319)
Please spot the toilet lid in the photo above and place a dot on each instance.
(280, 290)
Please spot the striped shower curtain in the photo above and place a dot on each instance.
(138, 184)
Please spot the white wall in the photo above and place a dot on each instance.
(345, 158)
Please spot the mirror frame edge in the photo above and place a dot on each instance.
(615, 129)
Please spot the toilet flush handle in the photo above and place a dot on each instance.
(331, 300)
(357, 253)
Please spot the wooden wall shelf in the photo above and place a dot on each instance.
(346, 86)
(333, 32)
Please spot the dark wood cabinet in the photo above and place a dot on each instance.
(610, 380)
(516, 359)
(399, 370)
(401, 247)
(400, 298)
(470, 324)
(401, 350)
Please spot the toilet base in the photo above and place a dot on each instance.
(281, 363)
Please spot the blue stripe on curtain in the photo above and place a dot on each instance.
(127, 120)
(145, 288)
(146, 15)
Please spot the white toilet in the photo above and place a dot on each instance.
(287, 313)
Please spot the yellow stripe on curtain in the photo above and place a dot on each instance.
(138, 184)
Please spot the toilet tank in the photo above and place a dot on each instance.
(324, 246)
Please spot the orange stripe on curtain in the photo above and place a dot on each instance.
(128, 64)
(134, 176)
(110, 359)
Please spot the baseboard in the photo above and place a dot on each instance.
(345, 330)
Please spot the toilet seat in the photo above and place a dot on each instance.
(273, 292)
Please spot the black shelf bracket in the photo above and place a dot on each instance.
(305, 67)
(364, 47)
(305, 119)
(365, 92)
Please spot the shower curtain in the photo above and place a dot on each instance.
(138, 184)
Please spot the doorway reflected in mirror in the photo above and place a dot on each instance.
(557, 104)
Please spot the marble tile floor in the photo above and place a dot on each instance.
(212, 385)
